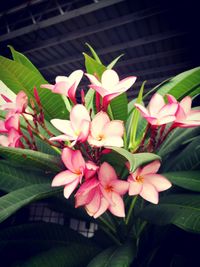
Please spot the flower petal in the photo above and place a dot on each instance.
(77, 161)
(143, 110)
(126, 83)
(109, 79)
(158, 181)
(186, 104)
(69, 188)
(102, 208)
(63, 126)
(168, 110)
(66, 156)
(155, 104)
(118, 207)
(114, 128)
(149, 193)
(152, 167)
(77, 115)
(121, 187)
(85, 128)
(94, 204)
(106, 174)
(61, 88)
(134, 188)
(93, 79)
(113, 141)
(64, 177)
(98, 123)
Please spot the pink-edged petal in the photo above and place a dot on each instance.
(63, 126)
(47, 86)
(21, 101)
(75, 77)
(72, 93)
(194, 115)
(114, 128)
(12, 122)
(61, 137)
(90, 170)
(66, 156)
(82, 200)
(61, 88)
(165, 120)
(4, 141)
(155, 104)
(87, 186)
(168, 109)
(149, 193)
(171, 99)
(118, 207)
(94, 142)
(109, 79)
(121, 187)
(77, 161)
(126, 83)
(142, 109)
(186, 104)
(85, 128)
(134, 188)
(77, 115)
(158, 181)
(93, 206)
(106, 174)
(108, 97)
(62, 79)
(2, 127)
(152, 167)
(113, 141)
(8, 106)
(69, 188)
(98, 123)
(64, 177)
(93, 79)
(102, 208)
(100, 90)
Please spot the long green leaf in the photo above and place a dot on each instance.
(113, 63)
(187, 159)
(19, 77)
(115, 257)
(119, 107)
(185, 179)
(96, 57)
(17, 199)
(30, 159)
(181, 84)
(136, 159)
(181, 210)
(15, 178)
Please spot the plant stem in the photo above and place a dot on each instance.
(107, 224)
(113, 237)
(130, 209)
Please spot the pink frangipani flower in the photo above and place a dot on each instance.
(158, 113)
(16, 107)
(66, 85)
(146, 183)
(77, 129)
(110, 86)
(11, 139)
(70, 178)
(104, 132)
(98, 195)
(185, 116)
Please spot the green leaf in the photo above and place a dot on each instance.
(18, 77)
(15, 178)
(182, 84)
(96, 57)
(17, 199)
(134, 121)
(93, 67)
(119, 107)
(137, 159)
(182, 210)
(115, 257)
(185, 179)
(112, 64)
(63, 256)
(20, 58)
(186, 159)
(176, 138)
(30, 159)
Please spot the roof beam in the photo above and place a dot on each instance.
(103, 26)
(114, 48)
(60, 18)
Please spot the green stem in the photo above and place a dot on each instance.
(107, 225)
(130, 210)
(112, 236)
(125, 140)
(57, 150)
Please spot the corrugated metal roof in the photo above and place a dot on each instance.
(156, 41)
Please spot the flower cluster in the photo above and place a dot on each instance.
(85, 139)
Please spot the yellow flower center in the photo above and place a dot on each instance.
(100, 137)
(139, 179)
(109, 188)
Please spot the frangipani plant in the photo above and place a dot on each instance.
(112, 158)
